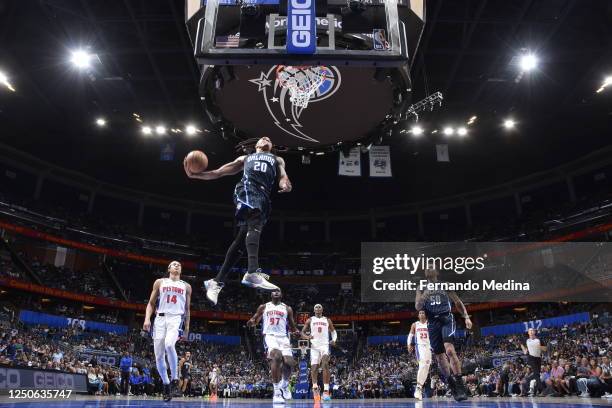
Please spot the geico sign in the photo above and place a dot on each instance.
(9, 378)
(301, 23)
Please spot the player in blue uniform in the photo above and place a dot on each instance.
(441, 327)
(260, 173)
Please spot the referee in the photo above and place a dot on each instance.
(534, 349)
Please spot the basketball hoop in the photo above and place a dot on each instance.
(301, 81)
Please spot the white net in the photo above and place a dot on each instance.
(301, 81)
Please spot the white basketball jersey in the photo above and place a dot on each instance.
(319, 330)
(275, 319)
(421, 333)
(172, 297)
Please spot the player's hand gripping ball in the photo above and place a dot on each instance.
(195, 162)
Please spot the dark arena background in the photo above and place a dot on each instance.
(440, 126)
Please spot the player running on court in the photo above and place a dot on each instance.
(170, 299)
(260, 173)
(419, 334)
(441, 328)
(318, 329)
(276, 317)
(185, 370)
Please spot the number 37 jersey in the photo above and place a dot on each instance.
(274, 319)
(172, 297)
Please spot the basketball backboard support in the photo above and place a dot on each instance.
(364, 46)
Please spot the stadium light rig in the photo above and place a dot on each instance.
(4, 80)
(101, 122)
(462, 132)
(146, 130)
(160, 130)
(448, 131)
(472, 120)
(606, 83)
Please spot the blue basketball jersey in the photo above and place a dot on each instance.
(436, 303)
(260, 172)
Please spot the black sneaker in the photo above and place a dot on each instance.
(459, 389)
(167, 393)
(174, 388)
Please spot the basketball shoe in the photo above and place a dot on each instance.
(418, 393)
(212, 290)
(258, 280)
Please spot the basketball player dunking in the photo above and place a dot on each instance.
(185, 370)
(441, 329)
(170, 300)
(276, 316)
(419, 334)
(318, 328)
(260, 172)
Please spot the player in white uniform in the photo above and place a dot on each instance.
(213, 377)
(318, 329)
(420, 332)
(170, 299)
(276, 316)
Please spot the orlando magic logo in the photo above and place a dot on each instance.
(286, 116)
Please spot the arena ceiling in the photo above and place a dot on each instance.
(468, 52)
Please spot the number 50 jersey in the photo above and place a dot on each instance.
(437, 303)
(274, 319)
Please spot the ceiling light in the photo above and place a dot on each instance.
(101, 122)
(528, 62)
(449, 131)
(81, 59)
(160, 130)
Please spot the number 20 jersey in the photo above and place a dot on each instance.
(260, 172)
(172, 297)
(274, 319)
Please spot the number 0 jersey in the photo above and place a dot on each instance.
(172, 297)
(259, 172)
(421, 334)
(319, 330)
(274, 319)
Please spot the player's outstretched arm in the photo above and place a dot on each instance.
(253, 321)
(306, 330)
(332, 331)
(187, 312)
(453, 296)
(228, 169)
(151, 305)
(284, 184)
(410, 337)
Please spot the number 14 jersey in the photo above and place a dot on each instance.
(172, 297)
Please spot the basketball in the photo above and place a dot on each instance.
(196, 161)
